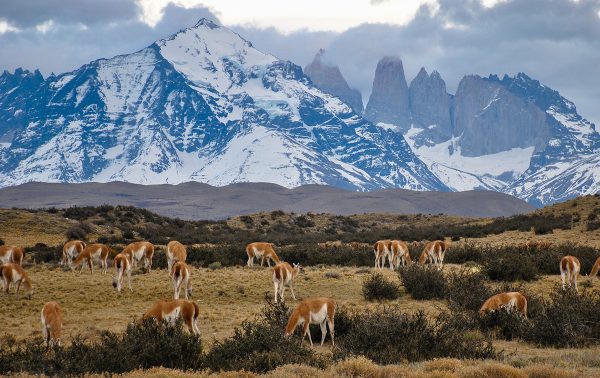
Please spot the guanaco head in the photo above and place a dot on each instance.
(298, 267)
(28, 286)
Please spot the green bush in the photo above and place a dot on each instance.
(260, 345)
(142, 346)
(465, 252)
(387, 335)
(376, 287)
(510, 267)
(467, 290)
(423, 282)
(568, 319)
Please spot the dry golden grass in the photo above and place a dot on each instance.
(23, 228)
(226, 297)
(364, 368)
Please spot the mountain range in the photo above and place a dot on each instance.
(205, 105)
(513, 135)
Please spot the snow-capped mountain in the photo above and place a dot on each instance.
(513, 134)
(202, 105)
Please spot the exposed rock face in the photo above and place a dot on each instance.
(16, 91)
(389, 98)
(329, 79)
(430, 107)
(490, 119)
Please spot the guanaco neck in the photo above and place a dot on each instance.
(293, 322)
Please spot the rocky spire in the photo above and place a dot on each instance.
(329, 79)
(389, 98)
(430, 105)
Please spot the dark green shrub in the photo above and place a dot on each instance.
(142, 346)
(505, 325)
(386, 335)
(465, 252)
(423, 282)
(592, 225)
(376, 287)
(510, 267)
(304, 221)
(260, 345)
(568, 319)
(76, 232)
(43, 253)
(1, 242)
(542, 229)
(467, 290)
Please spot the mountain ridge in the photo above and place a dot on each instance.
(194, 200)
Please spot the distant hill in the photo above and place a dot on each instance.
(194, 200)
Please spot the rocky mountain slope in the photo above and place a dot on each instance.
(201, 105)
(513, 134)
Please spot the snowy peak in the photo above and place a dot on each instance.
(202, 105)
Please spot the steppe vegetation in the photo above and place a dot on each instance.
(413, 322)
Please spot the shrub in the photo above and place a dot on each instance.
(142, 346)
(467, 290)
(592, 225)
(567, 320)
(76, 232)
(1, 242)
(510, 267)
(377, 287)
(304, 221)
(464, 253)
(386, 335)
(43, 253)
(542, 229)
(423, 282)
(260, 346)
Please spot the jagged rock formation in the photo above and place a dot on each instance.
(429, 105)
(329, 79)
(388, 103)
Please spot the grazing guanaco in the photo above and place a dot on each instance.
(569, 270)
(595, 268)
(11, 254)
(313, 311)
(284, 275)
(171, 310)
(511, 301)
(14, 274)
(400, 254)
(122, 265)
(175, 252)
(52, 322)
(142, 250)
(262, 251)
(180, 274)
(382, 248)
(98, 252)
(434, 252)
(70, 251)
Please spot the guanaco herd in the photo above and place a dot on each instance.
(320, 310)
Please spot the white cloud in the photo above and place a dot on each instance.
(290, 16)
(45, 26)
(5, 27)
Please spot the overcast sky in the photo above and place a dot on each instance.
(554, 41)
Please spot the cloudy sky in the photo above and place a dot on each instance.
(554, 41)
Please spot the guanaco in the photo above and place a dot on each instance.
(511, 301)
(313, 311)
(262, 251)
(52, 322)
